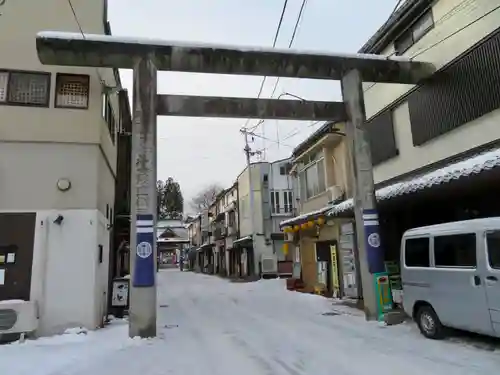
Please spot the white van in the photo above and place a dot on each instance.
(451, 276)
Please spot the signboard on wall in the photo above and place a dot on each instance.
(347, 257)
(119, 296)
(335, 269)
(297, 269)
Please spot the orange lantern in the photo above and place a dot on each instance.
(296, 228)
(310, 224)
(320, 220)
(285, 248)
(303, 226)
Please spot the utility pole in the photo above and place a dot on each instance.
(371, 255)
(251, 211)
(142, 321)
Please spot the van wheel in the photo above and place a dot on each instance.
(429, 324)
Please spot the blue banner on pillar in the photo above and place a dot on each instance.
(374, 251)
(144, 271)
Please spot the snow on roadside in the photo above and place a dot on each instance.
(40, 357)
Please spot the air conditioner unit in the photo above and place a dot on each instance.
(269, 264)
(335, 192)
(18, 317)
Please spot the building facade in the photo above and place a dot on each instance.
(60, 126)
(434, 145)
(323, 257)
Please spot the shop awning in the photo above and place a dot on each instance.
(205, 246)
(472, 166)
(313, 215)
(242, 241)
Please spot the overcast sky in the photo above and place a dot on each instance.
(198, 151)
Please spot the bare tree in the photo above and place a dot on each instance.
(205, 197)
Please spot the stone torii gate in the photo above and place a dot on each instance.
(146, 57)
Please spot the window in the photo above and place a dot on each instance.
(275, 202)
(414, 33)
(232, 218)
(455, 251)
(493, 244)
(25, 88)
(312, 179)
(285, 169)
(72, 91)
(417, 252)
(287, 201)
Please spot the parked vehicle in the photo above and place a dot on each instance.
(451, 276)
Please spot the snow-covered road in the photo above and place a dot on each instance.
(208, 325)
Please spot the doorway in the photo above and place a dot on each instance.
(327, 267)
(17, 237)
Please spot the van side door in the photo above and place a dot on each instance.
(492, 278)
(457, 287)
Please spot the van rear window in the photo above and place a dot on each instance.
(417, 252)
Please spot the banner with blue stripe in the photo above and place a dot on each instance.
(144, 271)
(374, 250)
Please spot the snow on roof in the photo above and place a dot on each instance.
(172, 240)
(191, 45)
(474, 165)
(305, 216)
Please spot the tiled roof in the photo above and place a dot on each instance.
(305, 217)
(472, 166)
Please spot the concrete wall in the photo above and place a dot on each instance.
(458, 26)
(244, 201)
(29, 173)
(25, 128)
(68, 283)
(276, 180)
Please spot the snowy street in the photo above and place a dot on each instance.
(208, 325)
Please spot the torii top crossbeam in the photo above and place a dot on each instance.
(73, 49)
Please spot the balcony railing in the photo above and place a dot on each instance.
(283, 210)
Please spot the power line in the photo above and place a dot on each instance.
(278, 28)
(75, 16)
(292, 39)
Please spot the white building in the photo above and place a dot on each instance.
(273, 202)
(58, 158)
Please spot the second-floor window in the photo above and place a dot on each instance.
(25, 88)
(285, 169)
(72, 91)
(231, 219)
(414, 33)
(281, 202)
(275, 202)
(312, 178)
